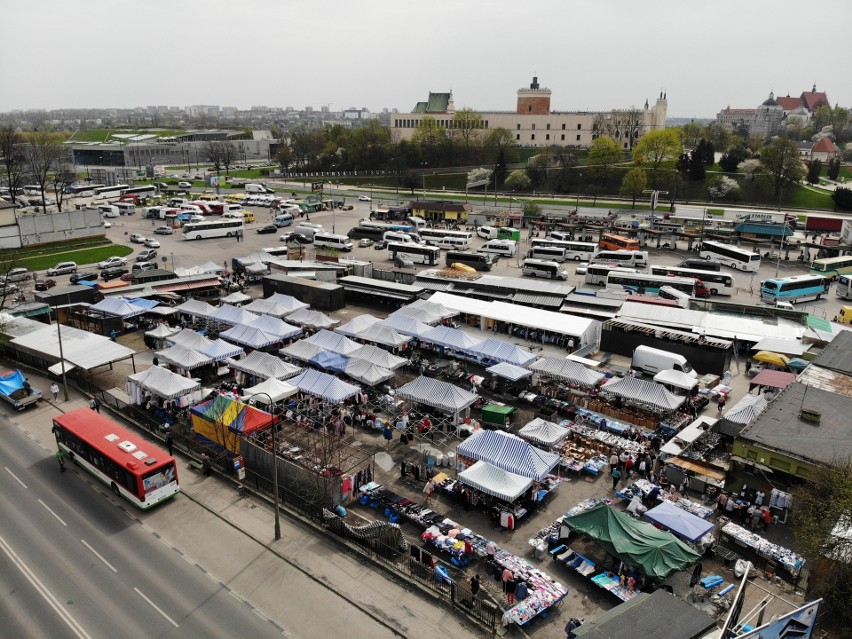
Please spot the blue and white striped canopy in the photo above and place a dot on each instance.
(508, 452)
(496, 350)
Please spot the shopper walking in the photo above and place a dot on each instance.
(721, 406)
(170, 444)
(54, 389)
(60, 457)
(616, 476)
(474, 588)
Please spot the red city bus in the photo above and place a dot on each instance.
(612, 242)
(132, 467)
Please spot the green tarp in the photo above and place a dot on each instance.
(657, 553)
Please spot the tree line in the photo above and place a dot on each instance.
(38, 158)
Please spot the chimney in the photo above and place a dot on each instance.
(811, 415)
(534, 83)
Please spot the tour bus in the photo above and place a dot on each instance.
(433, 236)
(416, 253)
(106, 192)
(543, 268)
(398, 236)
(479, 261)
(844, 287)
(596, 273)
(508, 233)
(365, 232)
(216, 228)
(718, 283)
(613, 242)
(797, 288)
(731, 256)
(387, 226)
(551, 253)
(332, 240)
(132, 467)
(504, 248)
(82, 190)
(669, 293)
(622, 258)
(832, 267)
(645, 284)
(141, 192)
(125, 208)
(576, 251)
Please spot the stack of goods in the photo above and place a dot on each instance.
(544, 592)
(692, 507)
(787, 558)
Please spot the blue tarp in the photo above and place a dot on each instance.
(330, 361)
(680, 522)
(11, 381)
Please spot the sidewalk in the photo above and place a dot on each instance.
(401, 610)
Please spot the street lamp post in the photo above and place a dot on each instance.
(61, 355)
(274, 467)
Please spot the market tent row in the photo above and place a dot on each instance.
(509, 371)
(367, 373)
(330, 341)
(274, 326)
(567, 371)
(80, 348)
(288, 302)
(227, 314)
(223, 421)
(678, 379)
(497, 350)
(196, 308)
(314, 319)
(405, 325)
(162, 383)
(220, 349)
(642, 392)
(543, 432)
(190, 339)
(451, 338)
(657, 553)
(379, 357)
(275, 389)
(184, 357)
(357, 324)
(324, 386)
(437, 394)
(250, 337)
(495, 481)
(509, 453)
(384, 335)
(264, 365)
(683, 524)
(119, 307)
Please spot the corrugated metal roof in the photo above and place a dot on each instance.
(538, 299)
(186, 286)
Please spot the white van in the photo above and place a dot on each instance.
(398, 236)
(622, 258)
(108, 210)
(330, 240)
(550, 253)
(543, 268)
(257, 188)
(653, 360)
(504, 248)
(562, 236)
(453, 243)
(283, 219)
(125, 208)
(231, 208)
(177, 201)
(417, 222)
(669, 293)
(487, 232)
(308, 230)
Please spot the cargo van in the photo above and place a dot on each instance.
(308, 230)
(283, 219)
(398, 236)
(177, 201)
(257, 188)
(487, 232)
(543, 268)
(452, 243)
(503, 248)
(562, 236)
(417, 222)
(109, 210)
(653, 360)
(845, 315)
(330, 240)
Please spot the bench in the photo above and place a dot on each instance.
(196, 466)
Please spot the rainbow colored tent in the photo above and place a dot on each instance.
(222, 421)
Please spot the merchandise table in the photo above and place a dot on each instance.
(692, 507)
(587, 568)
(783, 562)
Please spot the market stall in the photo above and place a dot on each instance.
(442, 396)
(544, 433)
(274, 326)
(689, 527)
(157, 337)
(162, 383)
(236, 298)
(676, 379)
(312, 319)
(330, 361)
(222, 422)
(508, 371)
(287, 302)
(333, 342)
(453, 339)
(324, 386)
(762, 552)
(189, 339)
(250, 337)
(270, 390)
(642, 393)
(118, 307)
(219, 350)
(366, 372)
(260, 365)
(183, 358)
(233, 315)
(405, 325)
(301, 350)
(357, 324)
(508, 452)
(494, 481)
(385, 335)
(379, 357)
(567, 371)
(496, 351)
(196, 308)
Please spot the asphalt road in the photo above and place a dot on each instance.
(75, 565)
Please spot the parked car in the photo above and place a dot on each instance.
(113, 272)
(146, 256)
(269, 228)
(581, 268)
(18, 275)
(185, 185)
(152, 243)
(364, 242)
(128, 277)
(295, 237)
(62, 268)
(112, 261)
(107, 225)
(164, 230)
(364, 198)
(44, 284)
(380, 245)
(89, 276)
(137, 238)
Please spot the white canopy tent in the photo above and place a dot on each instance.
(118, 307)
(451, 338)
(183, 357)
(325, 386)
(162, 331)
(540, 431)
(81, 348)
(301, 350)
(420, 314)
(366, 372)
(190, 339)
(675, 378)
(237, 297)
(498, 350)
(357, 324)
(315, 319)
(437, 394)
(274, 388)
(264, 365)
(508, 371)
(379, 357)
(567, 371)
(269, 307)
(196, 308)
(434, 308)
(275, 326)
(747, 409)
(228, 314)
(384, 335)
(333, 342)
(792, 347)
(405, 325)
(160, 382)
(212, 267)
(286, 301)
(220, 349)
(495, 482)
(250, 337)
(640, 391)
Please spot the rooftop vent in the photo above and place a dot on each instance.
(811, 415)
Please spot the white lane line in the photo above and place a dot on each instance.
(97, 554)
(15, 476)
(155, 607)
(72, 623)
(52, 513)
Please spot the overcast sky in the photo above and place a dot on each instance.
(593, 54)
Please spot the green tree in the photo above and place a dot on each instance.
(13, 157)
(634, 183)
(467, 127)
(531, 210)
(432, 140)
(604, 156)
(697, 170)
(822, 117)
(284, 157)
(44, 154)
(833, 168)
(656, 148)
(690, 133)
(781, 164)
(814, 169)
(719, 136)
(731, 160)
(821, 504)
(842, 199)
(518, 180)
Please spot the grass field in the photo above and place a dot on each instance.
(39, 258)
(103, 135)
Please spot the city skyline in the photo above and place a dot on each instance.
(390, 54)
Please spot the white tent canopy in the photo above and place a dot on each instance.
(451, 338)
(420, 314)
(437, 394)
(328, 387)
(495, 481)
(540, 431)
(301, 350)
(675, 378)
(566, 370)
(163, 383)
(117, 307)
(287, 301)
(306, 317)
(190, 339)
(405, 325)
(434, 308)
(383, 335)
(379, 357)
(641, 391)
(183, 357)
(497, 350)
(747, 409)
(212, 267)
(275, 326)
(161, 331)
(81, 348)
(276, 389)
(509, 371)
(367, 372)
(228, 314)
(357, 324)
(269, 307)
(791, 347)
(264, 365)
(333, 342)
(250, 337)
(196, 308)
(220, 349)
(237, 297)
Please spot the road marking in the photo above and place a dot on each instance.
(52, 513)
(155, 607)
(97, 554)
(72, 623)
(15, 476)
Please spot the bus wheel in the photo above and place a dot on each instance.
(713, 291)
(229, 234)
(576, 258)
(115, 489)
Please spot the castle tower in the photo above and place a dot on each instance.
(533, 101)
